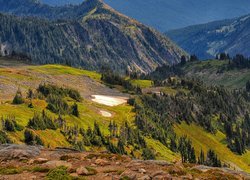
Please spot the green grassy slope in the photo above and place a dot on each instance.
(207, 71)
(206, 141)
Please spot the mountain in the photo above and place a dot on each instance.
(206, 40)
(167, 15)
(89, 35)
(172, 14)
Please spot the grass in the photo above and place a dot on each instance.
(54, 69)
(206, 141)
(141, 83)
(162, 152)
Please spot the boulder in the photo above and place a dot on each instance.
(82, 171)
(142, 171)
(128, 174)
(40, 160)
(14, 151)
(102, 162)
(146, 177)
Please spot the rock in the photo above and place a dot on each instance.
(74, 175)
(142, 171)
(93, 165)
(33, 177)
(128, 174)
(118, 163)
(102, 162)
(157, 173)
(188, 176)
(82, 171)
(13, 151)
(54, 164)
(40, 160)
(165, 177)
(146, 177)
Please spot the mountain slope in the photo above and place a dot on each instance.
(207, 40)
(87, 37)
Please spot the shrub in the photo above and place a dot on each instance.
(59, 173)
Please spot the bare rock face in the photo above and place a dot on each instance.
(13, 151)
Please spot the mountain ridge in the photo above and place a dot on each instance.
(208, 40)
(98, 36)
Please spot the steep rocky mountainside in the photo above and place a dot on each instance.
(89, 35)
(207, 40)
(31, 162)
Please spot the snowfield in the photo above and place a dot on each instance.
(109, 100)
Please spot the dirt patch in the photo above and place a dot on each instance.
(109, 100)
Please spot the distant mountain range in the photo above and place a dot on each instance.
(89, 35)
(207, 40)
(166, 15)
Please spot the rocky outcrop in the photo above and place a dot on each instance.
(43, 162)
(12, 151)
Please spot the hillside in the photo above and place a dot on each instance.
(207, 40)
(90, 35)
(94, 107)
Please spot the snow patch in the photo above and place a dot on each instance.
(109, 100)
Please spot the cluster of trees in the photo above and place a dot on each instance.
(186, 150)
(49, 89)
(223, 56)
(41, 122)
(239, 62)
(210, 160)
(238, 135)
(118, 139)
(55, 97)
(9, 124)
(114, 79)
(32, 139)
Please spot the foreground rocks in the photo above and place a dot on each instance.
(29, 162)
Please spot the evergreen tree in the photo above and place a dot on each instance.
(75, 111)
(18, 99)
(148, 154)
(201, 159)
(248, 86)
